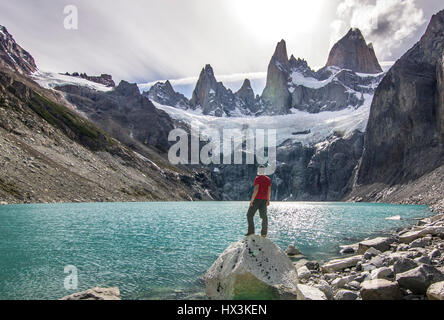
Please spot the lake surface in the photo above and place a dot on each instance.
(161, 250)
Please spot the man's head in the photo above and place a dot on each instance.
(261, 170)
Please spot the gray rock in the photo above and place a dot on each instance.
(353, 285)
(382, 244)
(382, 273)
(419, 279)
(423, 260)
(436, 291)
(304, 273)
(378, 261)
(96, 293)
(292, 250)
(403, 265)
(380, 289)
(419, 243)
(312, 265)
(325, 288)
(310, 293)
(434, 254)
(345, 295)
(363, 277)
(371, 252)
(340, 264)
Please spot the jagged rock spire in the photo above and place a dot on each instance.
(352, 52)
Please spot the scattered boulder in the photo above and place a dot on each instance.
(96, 293)
(310, 293)
(340, 264)
(419, 279)
(345, 295)
(436, 291)
(434, 254)
(403, 265)
(304, 273)
(419, 243)
(423, 260)
(370, 253)
(325, 288)
(312, 265)
(292, 250)
(253, 268)
(382, 273)
(382, 244)
(411, 236)
(380, 289)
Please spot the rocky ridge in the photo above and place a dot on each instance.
(105, 79)
(12, 56)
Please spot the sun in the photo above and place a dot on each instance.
(277, 19)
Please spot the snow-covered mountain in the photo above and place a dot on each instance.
(291, 85)
(319, 117)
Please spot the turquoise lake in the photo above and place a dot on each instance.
(161, 250)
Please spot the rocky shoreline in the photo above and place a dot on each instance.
(407, 266)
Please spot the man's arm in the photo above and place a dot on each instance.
(256, 190)
(268, 195)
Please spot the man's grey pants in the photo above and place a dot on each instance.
(261, 205)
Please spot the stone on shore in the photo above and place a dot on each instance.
(345, 295)
(340, 264)
(382, 273)
(325, 288)
(303, 273)
(292, 250)
(310, 293)
(96, 293)
(436, 291)
(253, 268)
(422, 232)
(419, 279)
(404, 264)
(380, 289)
(382, 244)
(371, 252)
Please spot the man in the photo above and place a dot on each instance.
(259, 201)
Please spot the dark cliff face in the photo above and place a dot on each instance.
(14, 57)
(303, 172)
(352, 52)
(404, 138)
(276, 96)
(124, 113)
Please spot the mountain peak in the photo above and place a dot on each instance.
(14, 57)
(352, 52)
(280, 54)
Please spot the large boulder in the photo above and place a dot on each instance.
(345, 295)
(340, 264)
(419, 279)
(436, 291)
(310, 293)
(96, 293)
(380, 289)
(382, 244)
(253, 268)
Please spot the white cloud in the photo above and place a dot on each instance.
(386, 23)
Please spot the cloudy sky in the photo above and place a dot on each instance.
(147, 40)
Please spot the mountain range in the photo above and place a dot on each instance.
(346, 131)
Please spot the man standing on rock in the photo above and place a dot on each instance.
(259, 201)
